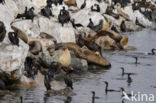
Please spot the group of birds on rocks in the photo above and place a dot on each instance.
(32, 65)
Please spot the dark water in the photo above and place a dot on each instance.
(93, 81)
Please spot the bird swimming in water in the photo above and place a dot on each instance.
(129, 80)
(13, 37)
(94, 97)
(21, 99)
(47, 82)
(83, 5)
(2, 31)
(68, 81)
(152, 52)
(97, 9)
(125, 73)
(46, 12)
(2, 1)
(75, 25)
(136, 60)
(64, 16)
(109, 90)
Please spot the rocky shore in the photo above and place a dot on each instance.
(43, 40)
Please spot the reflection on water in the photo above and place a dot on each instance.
(143, 81)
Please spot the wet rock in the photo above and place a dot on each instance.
(12, 57)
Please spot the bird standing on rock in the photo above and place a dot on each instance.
(64, 16)
(13, 37)
(83, 5)
(46, 12)
(68, 81)
(75, 25)
(30, 14)
(2, 1)
(2, 31)
(97, 8)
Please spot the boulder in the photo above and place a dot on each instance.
(12, 60)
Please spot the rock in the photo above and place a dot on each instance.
(84, 16)
(31, 29)
(55, 29)
(12, 58)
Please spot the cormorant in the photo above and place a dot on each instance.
(68, 81)
(30, 14)
(94, 97)
(97, 8)
(125, 73)
(64, 16)
(46, 12)
(75, 25)
(152, 52)
(13, 37)
(109, 90)
(47, 82)
(2, 31)
(83, 5)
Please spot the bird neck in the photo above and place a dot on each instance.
(106, 87)
(153, 51)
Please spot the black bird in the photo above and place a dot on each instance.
(2, 31)
(30, 67)
(49, 3)
(83, 5)
(21, 99)
(98, 27)
(129, 80)
(114, 29)
(68, 81)
(136, 60)
(91, 24)
(97, 8)
(123, 26)
(152, 52)
(46, 12)
(30, 14)
(109, 90)
(135, 6)
(60, 2)
(13, 37)
(51, 71)
(94, 97)
(64, 16)
(2, 85)
(47, 82)
(80, 41)
(123, 92)
(23, 14)
(125, 73)
(2, 1)
(75, 25)
(138, 23)
(68, 99)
